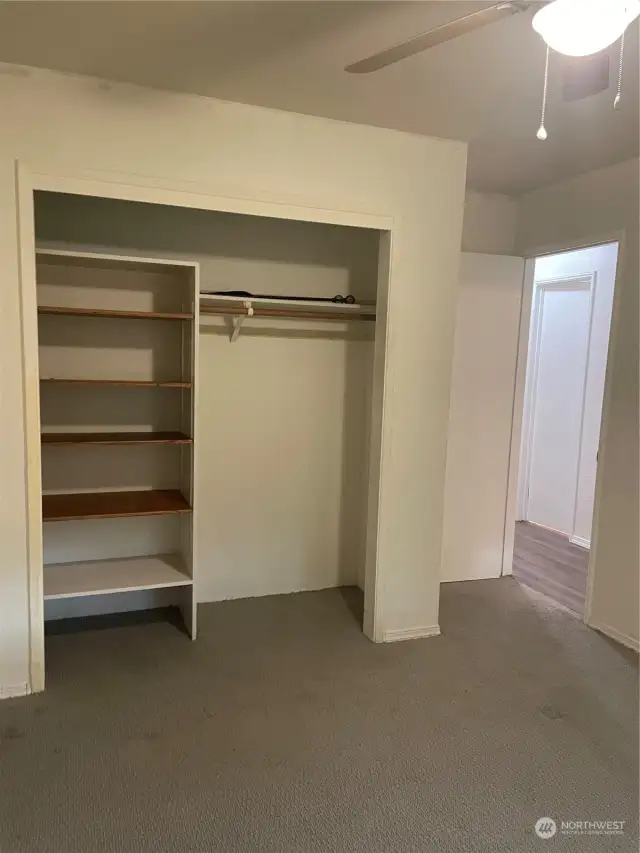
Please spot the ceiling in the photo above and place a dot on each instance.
(484, 88)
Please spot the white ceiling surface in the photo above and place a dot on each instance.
(484, 87)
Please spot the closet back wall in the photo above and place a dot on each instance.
(283, 413)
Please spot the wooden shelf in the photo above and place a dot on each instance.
(104, 577)
(112, 504)
(85, 364)
(124, 383)
(66, 438)
(107, 312)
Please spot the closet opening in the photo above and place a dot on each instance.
(206, 405)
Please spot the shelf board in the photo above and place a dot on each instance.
(112, 504)
(213, 303)
(99, 260)
(66, 438)
(103, 577)
(289, 314)
(124, 383)
(107, 312)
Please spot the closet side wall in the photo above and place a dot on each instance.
(283, 412)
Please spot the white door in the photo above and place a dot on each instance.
(480, 416)
(562, 319)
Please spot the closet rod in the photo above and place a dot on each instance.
(239, 310)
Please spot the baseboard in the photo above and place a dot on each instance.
(8, 691)
(398, 634)
(579, 540)
(623, 639)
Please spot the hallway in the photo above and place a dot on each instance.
(547, 562)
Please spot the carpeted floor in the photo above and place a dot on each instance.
(284, 729)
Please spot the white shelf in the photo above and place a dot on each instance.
(295, 304)
(108, 260)
(103, 577)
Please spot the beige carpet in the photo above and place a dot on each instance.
(283, 729)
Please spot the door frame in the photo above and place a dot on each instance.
(585, 282)
(530, 255)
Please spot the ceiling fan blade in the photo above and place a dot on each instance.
(440, 34)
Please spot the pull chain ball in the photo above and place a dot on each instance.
(619, 92)
(542, 131)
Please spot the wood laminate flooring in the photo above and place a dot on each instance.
(547, 562)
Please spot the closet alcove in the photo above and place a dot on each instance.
(196, 445)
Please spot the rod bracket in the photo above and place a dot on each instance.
(237, 324)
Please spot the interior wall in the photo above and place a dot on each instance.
(594, 207)
(489, 223)
(283, 413)
(599, 261)
(482, 393)
(252, 159)
(482, 389)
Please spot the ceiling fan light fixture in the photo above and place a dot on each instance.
(583, 27)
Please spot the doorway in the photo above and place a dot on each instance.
(564, 387)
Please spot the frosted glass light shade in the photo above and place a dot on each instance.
(583, 27)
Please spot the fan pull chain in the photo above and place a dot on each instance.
(542, 131)
(619, 93)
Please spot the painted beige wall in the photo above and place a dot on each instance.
(482, 390)
(480, 418)
(283, 431)
(489, 223)
(81, 127)
(592, 207)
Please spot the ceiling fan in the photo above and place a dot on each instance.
(572, 27)
(438, 35)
